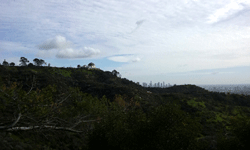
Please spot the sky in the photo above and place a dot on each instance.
(175, 41)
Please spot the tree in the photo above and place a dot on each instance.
(23, 61)
(115, 73)
(237, 136)
(38, 62)
(12, 64)
(46, 109)
(5, 63)
(162, 128)
(30, 65)
(91, 65)
(78, 66)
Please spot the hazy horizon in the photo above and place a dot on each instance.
(178, 42)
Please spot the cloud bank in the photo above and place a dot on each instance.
(228, 11)
(59, 42)
(64, 49)
(86, 52)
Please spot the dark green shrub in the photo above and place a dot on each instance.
(238, 136)
(164, 127)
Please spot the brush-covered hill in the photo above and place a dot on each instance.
(81, 104)
(93, 81)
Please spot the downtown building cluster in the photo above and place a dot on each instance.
(157, 85)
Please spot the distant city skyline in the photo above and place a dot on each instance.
(157, 84)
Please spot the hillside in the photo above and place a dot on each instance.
(95, 81)
(65, 87)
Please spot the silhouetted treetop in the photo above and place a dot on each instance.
(38, 62)
(115, 73)
(12, 64)
(23, 61)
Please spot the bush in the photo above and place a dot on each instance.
(238, 136)
(164, 127)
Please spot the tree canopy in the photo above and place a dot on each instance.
(116, 73)
(12, 64)
(23, 61)
(39, 62)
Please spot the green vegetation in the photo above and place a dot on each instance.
(218, 117)
(195, 103)
(11, 68)
(78, 108)
(86, 71)
(63, 72)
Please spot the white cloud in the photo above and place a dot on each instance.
(126, 58)
(119, 58)
(59, 42)
(61, 48)
(86, 52)
(227, 11)
(137, 59)
(46, 54)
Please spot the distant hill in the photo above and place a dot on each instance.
(178, 89)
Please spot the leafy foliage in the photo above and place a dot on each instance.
(238, 136)
(39, 62)
(46, 110)
(12, 64)
(23, 61)
(164, 127)
(75, 108)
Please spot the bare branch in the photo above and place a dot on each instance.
(64, 99)
(56, 118)
(84, 121)
(47, 121)
(13, 124)
(5, 93)
(30, 89)
(41, 127)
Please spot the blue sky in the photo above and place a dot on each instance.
(179, 42)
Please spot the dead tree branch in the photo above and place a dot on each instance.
(13, 124)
